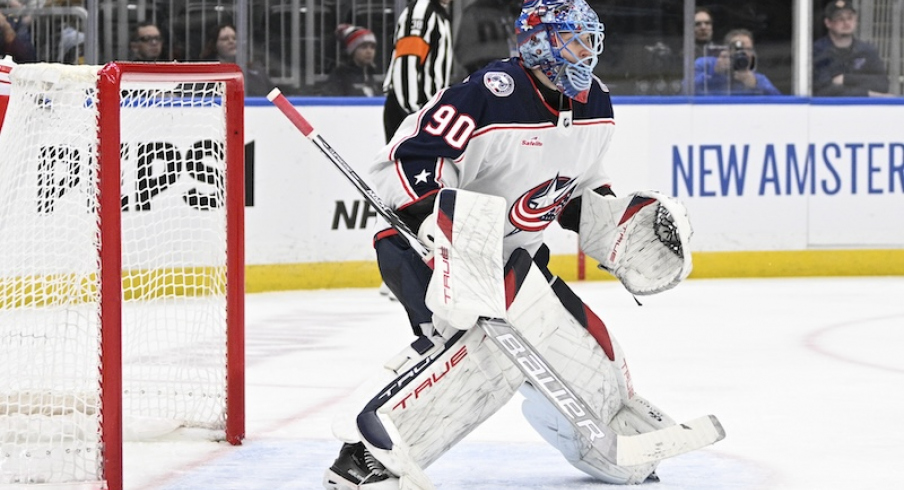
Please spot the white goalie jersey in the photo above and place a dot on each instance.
(482, 137)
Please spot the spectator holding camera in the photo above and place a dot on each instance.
(733, 71)
(842, 64)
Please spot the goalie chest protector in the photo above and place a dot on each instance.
(496, 135)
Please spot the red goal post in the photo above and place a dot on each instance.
(121, 264)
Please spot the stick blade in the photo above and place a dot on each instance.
(669, 442)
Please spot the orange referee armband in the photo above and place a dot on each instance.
(412, 46)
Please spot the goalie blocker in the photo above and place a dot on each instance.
(642, 239)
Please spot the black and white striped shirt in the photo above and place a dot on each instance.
(422, 57)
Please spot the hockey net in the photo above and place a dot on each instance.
(121, 283)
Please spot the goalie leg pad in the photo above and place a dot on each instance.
(560, 434)
(577, 344)
(455, 386)
(578, 355)
(642, 239)
(636, 416)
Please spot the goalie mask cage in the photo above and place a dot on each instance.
(121, 265)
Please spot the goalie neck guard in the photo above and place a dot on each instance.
(564, 38)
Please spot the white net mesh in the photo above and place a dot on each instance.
(173, 268)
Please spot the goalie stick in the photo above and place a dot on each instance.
(618, 449)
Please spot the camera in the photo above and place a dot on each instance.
(740, 59)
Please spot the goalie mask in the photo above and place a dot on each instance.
(564, 38)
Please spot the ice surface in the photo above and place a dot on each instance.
(806, 375)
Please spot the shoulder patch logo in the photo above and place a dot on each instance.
(499, 83)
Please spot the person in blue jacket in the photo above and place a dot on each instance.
(844, 66)
(733, 71)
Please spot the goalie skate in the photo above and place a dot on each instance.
(356, 469)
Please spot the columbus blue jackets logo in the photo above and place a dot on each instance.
(540, 206)
(499, 83)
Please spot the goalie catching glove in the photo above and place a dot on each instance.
(641, 239)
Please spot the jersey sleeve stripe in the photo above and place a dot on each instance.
(403, 179)
(592, 122)
(516, 127)
(418, 199)
(440, 162)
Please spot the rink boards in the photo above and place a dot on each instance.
(775, 186)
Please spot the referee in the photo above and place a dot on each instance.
(421, 60)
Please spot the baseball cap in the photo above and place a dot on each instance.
(838, 5)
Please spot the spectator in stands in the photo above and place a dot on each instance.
(733, 71)
(485, 33)
(421, 62)
(147, 43)
(221, 46)
(20, 15)
(703, 32)
(72, 46)
(842, 64)
(355, 76)
(15, 40)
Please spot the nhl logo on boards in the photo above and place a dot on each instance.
(499, 83)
